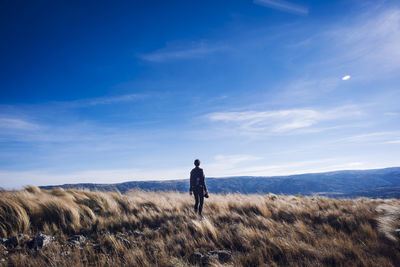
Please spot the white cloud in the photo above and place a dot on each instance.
(366, 136)
(17, 124)
(112, 100)
(393, 142)
(283, 6)
(358, 46)
(370, 40)
(182, 51)
(74, 137)
(106, 100)
(384, 137)
(305, 90)
(280, 121)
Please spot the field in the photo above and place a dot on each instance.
(84, 228)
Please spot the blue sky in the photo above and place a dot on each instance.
(112, 91)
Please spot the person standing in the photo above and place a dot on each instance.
(198, 187)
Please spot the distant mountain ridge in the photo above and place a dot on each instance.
(378, 183)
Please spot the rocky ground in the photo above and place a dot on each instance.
(28, 245)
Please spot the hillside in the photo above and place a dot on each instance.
(81, 228)
(333, 184)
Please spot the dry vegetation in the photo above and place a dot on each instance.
(160, 229)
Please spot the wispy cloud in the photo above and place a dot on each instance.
(375, 41)
(280, 121)
(182, 51)
(85, 135)
(383, 137)
(30, 123)
(349, 49)
(283, 6)
(364, 42)
(393, 142)
(17, 124)
(105, 100)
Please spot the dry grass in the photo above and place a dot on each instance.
(160, 229)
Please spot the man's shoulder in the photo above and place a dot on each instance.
(196, 169)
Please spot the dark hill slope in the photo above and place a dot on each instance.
(354, 183)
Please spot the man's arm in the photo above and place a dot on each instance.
(191, 182)
(204, 182)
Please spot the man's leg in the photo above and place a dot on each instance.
(196, 199)
(201, 196)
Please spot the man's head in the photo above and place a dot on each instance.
(197, 163)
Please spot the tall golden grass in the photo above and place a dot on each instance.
(259, 230)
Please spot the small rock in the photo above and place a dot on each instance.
(77, 239)
(15, 241)
(212, 253)
(195, 257)
(224, 255)
(40, 241)
(3, 240)
(397, 232)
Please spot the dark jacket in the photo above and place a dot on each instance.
(197, 179)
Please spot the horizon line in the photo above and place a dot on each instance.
(227, 177)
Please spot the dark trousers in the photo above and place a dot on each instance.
(199, 199)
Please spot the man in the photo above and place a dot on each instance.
(198, 187)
